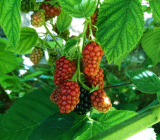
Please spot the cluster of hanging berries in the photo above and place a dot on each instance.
(92, 56)
(68, 95)
(94, 22)
(36, 55)
(50, 11)
(45, 12)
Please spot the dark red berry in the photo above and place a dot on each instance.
(54, 95)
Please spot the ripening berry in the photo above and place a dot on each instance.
(37, 19)
(100, 101)
(36, 55)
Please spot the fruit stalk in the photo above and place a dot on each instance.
(79, 57)
(131, 126)
(53, 37)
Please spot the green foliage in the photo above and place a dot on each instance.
(63, 126)
(10, 19)
(155, 5)
(71, 47)
(8, 61)
(120, 25)
(80, 8)
(63, 21)
(28, 39)
(37, 73)
(26, 114)
(150, 43)
(145, 81)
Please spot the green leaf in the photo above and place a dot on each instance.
(119, 60)
(71, 48)
(63, 21)
(58, 126)
(145, 81)
(151, 45)
(28, 39)
(3, 40)
(33, 74)
(155, 6)
(8, 61)
(120, 26)
(80, 8)
(26, 114)
(10, 19)
(101, 122)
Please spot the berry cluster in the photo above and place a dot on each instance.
(84, 105)
(95, 80)
(92, 55)
(94, 22)
(100, 101)
(36, 55)
(26, 6)
(64, 70)
(50, 11)
(54, 95)
(37, 19)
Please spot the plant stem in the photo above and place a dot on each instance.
(131, 126)
(79, 57)
(53, 37)
(90, 30)
(41, 41)
(118, 85)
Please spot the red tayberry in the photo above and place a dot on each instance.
(100, 101)
(64, 70)
(91, 61)
(54, 95)
(68, 97)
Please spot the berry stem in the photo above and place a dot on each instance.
(118, 85)
(53, 37)
(90, 30)
(80, 55)
(131, 126)
(45, 42)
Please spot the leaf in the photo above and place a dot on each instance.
(33, 74)
(58, 126)
(145, 81)
(28, 39)
(120, 26)
(80, 8)
(151, 45)
(63, 21)
(71, 48)
(101, 122)
(119, 60)
(8, 61)
(10, 19)
(26, 114)
(3, 40)
(155, 6)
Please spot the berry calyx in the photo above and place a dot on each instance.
(95, 80)
(36, 55)
(92, 56)
(53, 56)
(37, 19)
(84, 105)
(68, 97)
(100, 101)
(64, 70)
